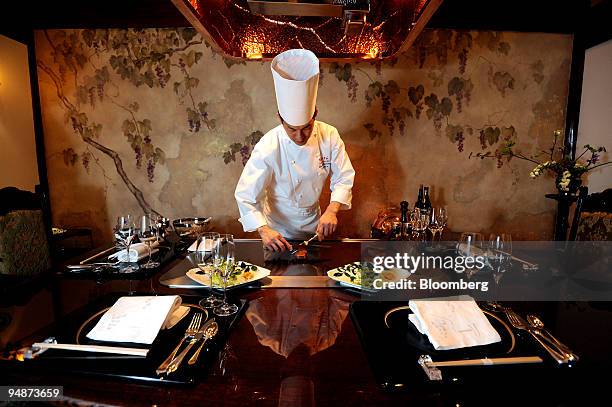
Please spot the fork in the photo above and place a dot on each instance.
(192, 329)
(519, 323)
(305, 243)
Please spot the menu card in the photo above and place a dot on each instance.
(137, 319)
(452, 322)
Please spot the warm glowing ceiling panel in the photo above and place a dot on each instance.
(378, 30)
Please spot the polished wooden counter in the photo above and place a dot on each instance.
(298, 347)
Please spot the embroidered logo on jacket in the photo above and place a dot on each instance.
(324, 162)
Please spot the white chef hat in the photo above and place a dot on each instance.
(296, 80)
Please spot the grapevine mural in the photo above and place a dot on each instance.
(153, 120)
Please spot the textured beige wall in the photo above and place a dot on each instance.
(111, 96)
(18, 167)
(596, 111)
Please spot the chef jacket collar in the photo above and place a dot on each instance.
(287, 140)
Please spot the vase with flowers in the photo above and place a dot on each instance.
(568, 171)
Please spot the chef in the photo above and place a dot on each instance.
(279, 189)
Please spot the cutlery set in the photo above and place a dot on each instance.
(560, 352)
(194, 333)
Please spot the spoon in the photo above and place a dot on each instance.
(210, 331)
(494, 306)
(538, 324)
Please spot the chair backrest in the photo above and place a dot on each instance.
(12, 199)
(599, 202)
(582, 195)
(593, 220)
(24, 248)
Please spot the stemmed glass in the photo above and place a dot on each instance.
(203, 258)
(419, 221)
(148, 234)
(441, 216)
(499, 254)
(224, 263)
(437, 222)
(125, 232)
(470, 245)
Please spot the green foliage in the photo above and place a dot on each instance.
(372, 131)
(70, 157)
(503, 81)
(452, 131)
(245, 149)
(439, 42)
(438, 109)
(415, 95)
(493, 40)
(375, 89)
(537, 71)
(344, 73)
(138, 134)
(455, 135)
(461, 89)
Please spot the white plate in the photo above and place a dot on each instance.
(387, 275)
(205, 281)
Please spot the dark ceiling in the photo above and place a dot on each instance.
(508, 15)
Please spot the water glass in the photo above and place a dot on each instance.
(499, 254)
(148, 234)
(203, 258)
(437, 222)
(225, 259)
(125, 232)
(470, 245)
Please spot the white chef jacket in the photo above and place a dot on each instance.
(281, 183)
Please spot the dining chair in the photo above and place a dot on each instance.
(592, 217)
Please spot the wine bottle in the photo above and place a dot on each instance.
(419, 200)
(404, 221)
(426, 202)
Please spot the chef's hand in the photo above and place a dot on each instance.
(272, 239)
(329, 221)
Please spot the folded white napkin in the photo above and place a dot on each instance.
(137, 319)
(452, 322)
(207, 247)
(175, 317)
(138, 251)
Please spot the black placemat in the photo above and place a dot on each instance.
(131, 367)
(393, 354)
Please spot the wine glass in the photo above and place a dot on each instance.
(125, 232)
(148, 234)
(470, 245)
(224, 262)
(418, 222)
(203, 258)
(441, 218)
(499, 254)
(437, 221)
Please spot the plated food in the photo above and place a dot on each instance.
(362, 275)
(244, 273)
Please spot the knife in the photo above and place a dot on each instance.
(174, 365)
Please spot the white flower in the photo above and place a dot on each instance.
(565, 180)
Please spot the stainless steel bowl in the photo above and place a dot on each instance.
(191, 227)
